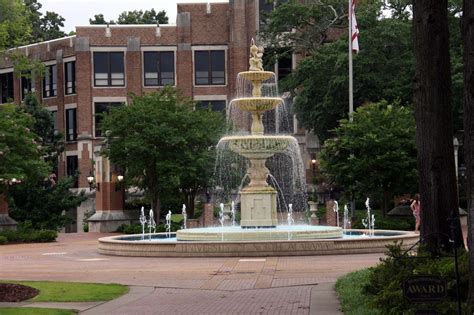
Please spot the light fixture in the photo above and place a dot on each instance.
(90, 180)
(119, 183)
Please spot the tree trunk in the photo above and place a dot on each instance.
(156, 206)
(189, 199)
(468, 40)
(385, 203)
(434, 132)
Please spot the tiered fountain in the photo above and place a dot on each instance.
(259, 232)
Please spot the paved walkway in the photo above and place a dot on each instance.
(265, 285)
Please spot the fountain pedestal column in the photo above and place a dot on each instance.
(261, 208)
(6, 223)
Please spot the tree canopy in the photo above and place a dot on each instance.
(134, 17)
(374, 155)
(20, 154)
(383, 69)
(166, 146)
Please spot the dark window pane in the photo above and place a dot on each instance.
(151, 61)
(284, 66)
(70, 77)
(218, 67)
(100, 109)
(101, 69)
(216, 106)
(201, 61)
(117, 73)
(71, 167)
(167, 68)
(54, 117)
(27, 86)
(6, 87)
(71, 134)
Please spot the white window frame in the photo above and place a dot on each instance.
(109, 49)
(101, 99)
(174, 49)
(211, 47)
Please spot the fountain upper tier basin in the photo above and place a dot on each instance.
(257, 105)
(257, 146)
(256, 76)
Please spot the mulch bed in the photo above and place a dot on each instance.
(10, 292)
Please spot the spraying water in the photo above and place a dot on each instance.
(232, 210)
(151, 224)
(185, 216)
(346, 220)
(335, 208)
(290, 220)
(168, 224)
(369, 221)
(143, 221)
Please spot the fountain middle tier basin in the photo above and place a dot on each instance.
(280, 232)
(257, 146)
(257, 105)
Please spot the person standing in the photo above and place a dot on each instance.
(416, 208)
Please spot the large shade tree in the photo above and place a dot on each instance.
(134, 17)
(375, 154)
(434, 130)
(163, 144)
(468, 41)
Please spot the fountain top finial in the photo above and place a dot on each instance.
(255, 60)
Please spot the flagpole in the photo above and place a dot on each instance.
(351, 88)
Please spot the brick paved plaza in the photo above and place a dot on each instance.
(263, 285)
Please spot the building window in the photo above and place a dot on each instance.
(216, 106)
(54, 118)
(71, 133)
(109, 69)
(209, 67)
(101, 109)
(50, 81)
(159, 68)
(71, 167)
(285, 65)
(27, 85)
(70, 77)
(6, 87)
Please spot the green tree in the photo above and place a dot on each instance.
(166, 145)
(134, 17)
(15, 28)
(468, 48)
(20, 157)
(434, 130)
(44, 202)
(374, 155)
(99, 19)
(45, 27)
(51, 142)
(383, 69)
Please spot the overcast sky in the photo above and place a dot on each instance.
(78, 12)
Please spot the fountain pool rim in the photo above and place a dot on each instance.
(112, 245)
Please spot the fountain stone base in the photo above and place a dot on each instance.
(261, 207)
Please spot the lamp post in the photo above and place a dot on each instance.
(119, 183)
(456, 149)
(313, 163)
(90, 180)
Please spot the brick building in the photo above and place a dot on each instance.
(101, 65)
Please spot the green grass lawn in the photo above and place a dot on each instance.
(34, 311)
(74, 292)
(349, 290)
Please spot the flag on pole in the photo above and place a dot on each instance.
(354, 30)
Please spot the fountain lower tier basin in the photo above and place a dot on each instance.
(257, 146)
(355, 242)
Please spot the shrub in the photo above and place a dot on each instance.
(29, 236)
(387, 223)
(3, 240)
(385, 291)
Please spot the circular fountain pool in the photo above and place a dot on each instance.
(354, 242)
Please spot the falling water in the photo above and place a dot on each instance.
(290, 220)
(222, 219)
(168, 224)
(232, 211)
